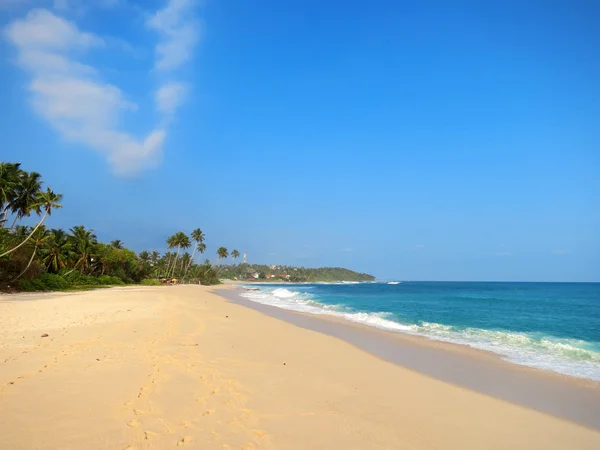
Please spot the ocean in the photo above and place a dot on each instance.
(551, 326)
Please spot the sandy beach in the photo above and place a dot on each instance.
(169, 367)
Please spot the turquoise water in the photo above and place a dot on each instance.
(552, 326)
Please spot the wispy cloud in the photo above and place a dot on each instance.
(179, 33)
(347, 249)
(70, 95)
(503, 254)
(169, 96)
(80, 5)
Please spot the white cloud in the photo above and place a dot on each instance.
(81, 5)
(69, 96)
(169, 96)
(179, 33)
(42, 30)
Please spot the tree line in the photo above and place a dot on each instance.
(38, 258)
(260, 272)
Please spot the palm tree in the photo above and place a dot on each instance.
(58, 251)
(183, 241)
(198, 237)
(117, 243)
(154, 257)
(235, 254)
(170, 244)
(10, 178)
(144, 257)
(84, 243)
(222, 253)
(26, 196)
(47, 200)
(177, 239)
(38, 239)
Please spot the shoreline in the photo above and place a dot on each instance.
(567, 397)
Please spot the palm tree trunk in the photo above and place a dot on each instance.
(14, 222)
(28, 237)
(28, 264)
(168, 265)
(190, 263)
(175, 262)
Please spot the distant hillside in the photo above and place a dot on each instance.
(259, 272)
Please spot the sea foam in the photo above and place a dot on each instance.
(566, 356)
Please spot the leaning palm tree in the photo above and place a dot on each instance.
(38, 240)
(198, 237)
(170, 244)
(183, 243)
(47, 200)
(179, 238)
(235, 254)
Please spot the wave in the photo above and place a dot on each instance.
(567, 356)
(393, 282)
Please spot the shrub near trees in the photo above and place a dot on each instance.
(38, 258)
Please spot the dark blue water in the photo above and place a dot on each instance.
(554, 326)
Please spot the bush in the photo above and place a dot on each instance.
(53, 282)
(150, 282)
(30, 285)
(47, 282)
(107, 280)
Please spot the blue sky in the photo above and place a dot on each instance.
(424, 140)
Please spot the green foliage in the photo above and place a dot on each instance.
(291, 273)
(35, 258)
(46, 282)
(150, 282)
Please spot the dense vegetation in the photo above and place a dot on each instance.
(262, 273)
(34, 258)
(37, 258)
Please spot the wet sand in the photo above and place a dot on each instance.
(575, 399)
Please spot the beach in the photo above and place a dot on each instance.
(181, 366)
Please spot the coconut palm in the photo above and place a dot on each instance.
(10, 179)
(181, 240)
(184, 243)
(222, 253)
(198, 237)
(84, 243)
(170, 244)
(25, 200)
(38, 240)
(118, 244)
(58, 251)
(48, 200)
(235, 254)
(144, 257)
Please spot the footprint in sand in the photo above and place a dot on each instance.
(185, 440)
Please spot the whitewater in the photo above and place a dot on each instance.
(548, 326)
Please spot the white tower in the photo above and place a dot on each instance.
(244, 256)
